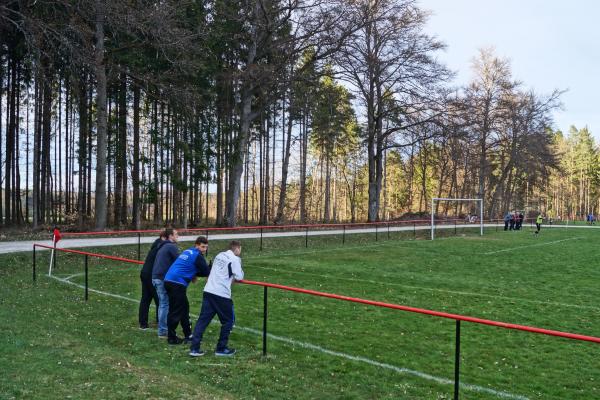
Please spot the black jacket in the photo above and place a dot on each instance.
(146, 272)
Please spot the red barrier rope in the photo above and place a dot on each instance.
(430, 312)
(85, 253)
(440, 314)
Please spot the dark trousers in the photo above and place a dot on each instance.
(505, 225)
(148, 294)
(179, 310)
(538, 226)
(214, 305)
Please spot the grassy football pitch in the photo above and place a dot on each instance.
(54, 345)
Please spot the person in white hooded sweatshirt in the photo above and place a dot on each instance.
(216, 299)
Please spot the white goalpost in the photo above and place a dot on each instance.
(433, 200)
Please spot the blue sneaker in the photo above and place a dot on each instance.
(226, 352)
(196, 353)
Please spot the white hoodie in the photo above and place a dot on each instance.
(226, 268)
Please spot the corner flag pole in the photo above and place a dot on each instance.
(52, 256)
(432, 219)
(55, 238)
(481, 217)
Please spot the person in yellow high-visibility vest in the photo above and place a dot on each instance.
(538, 223)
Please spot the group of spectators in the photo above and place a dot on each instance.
(513, 221)
(590, 219)
(166, 275)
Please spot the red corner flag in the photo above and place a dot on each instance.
(57, 235)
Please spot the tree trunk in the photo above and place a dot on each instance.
(10, 138)
(83, 135)
(237, 165)
(135, 177)
(284, 171)
(46, 170)
(303, 166)
(121, 154)
(219, 172)
(100, 71)
(327, 206)
(37, 134)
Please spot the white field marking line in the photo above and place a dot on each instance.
(422, 375)
(532, 245)
(68, 278)
(116, 296)
(437, 379)
(492, 296)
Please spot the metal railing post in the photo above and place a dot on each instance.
(388, 226)
(457, 361)
(344, 235)
(33, 266)
(414, 230)
(265, 321)
(306, 238)
(86, 277)
(261, 239)
(139, 248)
(376, 231)
(455, 226)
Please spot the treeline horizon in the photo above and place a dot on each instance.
(190, 113)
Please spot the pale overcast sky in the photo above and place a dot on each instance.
(551, 44)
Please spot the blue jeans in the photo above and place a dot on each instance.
(163, 305)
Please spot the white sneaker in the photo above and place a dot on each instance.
(196, 353)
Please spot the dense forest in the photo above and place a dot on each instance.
(198, 112)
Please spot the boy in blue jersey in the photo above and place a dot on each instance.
(189, 265)
(216, 300)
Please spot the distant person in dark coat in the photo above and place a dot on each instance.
(518, 221)
(506, 221)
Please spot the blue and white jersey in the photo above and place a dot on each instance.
(189, 264)
(226, 268)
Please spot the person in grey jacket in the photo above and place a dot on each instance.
(167, 254)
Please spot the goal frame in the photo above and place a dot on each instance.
(434, 199)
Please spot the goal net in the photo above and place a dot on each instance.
(475, 219)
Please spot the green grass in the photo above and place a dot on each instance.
(54, 345)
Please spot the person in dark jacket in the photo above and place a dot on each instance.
(506, 220)
(167, 254)
(521, 219)
(189, 265)
(148, 290)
